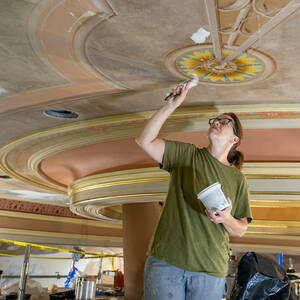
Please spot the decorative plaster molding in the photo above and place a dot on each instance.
(262, 8)
(65, 236)
(277, 193)
(59, 219)
(85, 16)
(249, 66)
(93, 195)
(236, 5)
(144, 175)
(274, 203)
(36, 208)
(278, 235)
(37, 146)
(261, 247)
(274, 224)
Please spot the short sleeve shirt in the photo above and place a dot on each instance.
(185, 237)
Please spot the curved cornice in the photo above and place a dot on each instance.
(99, 197)
(93, 195)
(55, 219)
(63, 238)
(20, 158)
(261, 247)
(274, 170)
(114, 179)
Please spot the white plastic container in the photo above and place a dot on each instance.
(213, 197)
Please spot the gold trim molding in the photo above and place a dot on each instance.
(276, 193)
(274, 203)
(28, 216)
(154, 174)
(274, 170)
(143, 175)
(93, 195)
(265, 248)
(44, 143)
(39, 145)
(57, 235)
(270, 235)
(274, 224)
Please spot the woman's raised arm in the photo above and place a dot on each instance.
(148, 138)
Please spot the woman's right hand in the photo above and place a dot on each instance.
(179, 93)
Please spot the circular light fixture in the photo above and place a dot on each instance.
(248, 67)
(61, 113)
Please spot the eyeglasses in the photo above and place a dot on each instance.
(224, 122)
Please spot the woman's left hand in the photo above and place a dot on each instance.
(221, 216)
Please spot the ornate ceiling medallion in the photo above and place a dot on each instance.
(250, 66)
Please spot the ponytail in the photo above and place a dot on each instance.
(234, 156)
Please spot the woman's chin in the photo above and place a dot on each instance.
(213, 133)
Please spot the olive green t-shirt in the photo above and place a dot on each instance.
(185, 237)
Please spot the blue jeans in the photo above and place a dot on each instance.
(163, 281)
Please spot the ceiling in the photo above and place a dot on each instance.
(112, 62)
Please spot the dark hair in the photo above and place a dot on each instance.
(236, 157)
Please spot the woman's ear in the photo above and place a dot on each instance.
(235, 139)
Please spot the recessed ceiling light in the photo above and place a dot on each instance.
(61, 113)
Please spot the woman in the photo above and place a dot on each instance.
(188, 254)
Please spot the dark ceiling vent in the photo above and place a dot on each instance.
(5, 177)
(61, 113)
